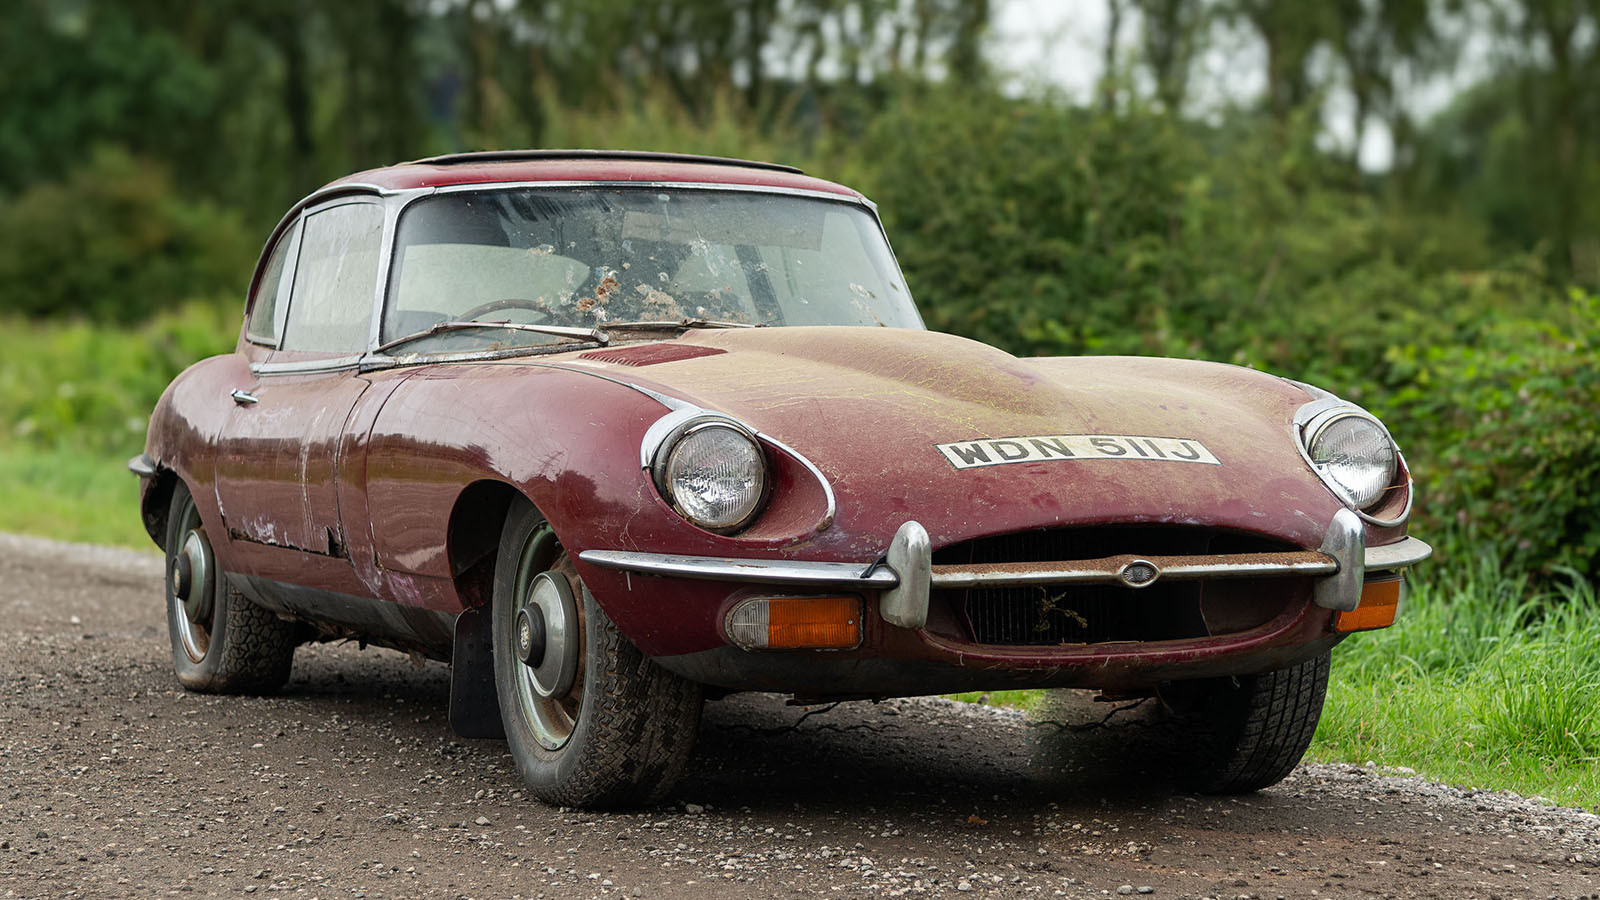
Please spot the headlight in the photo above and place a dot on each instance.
(1353, 454)
(714, 474)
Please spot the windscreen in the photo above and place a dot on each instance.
(592, 257)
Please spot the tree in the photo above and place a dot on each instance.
(1555, 53)
(1171, 33)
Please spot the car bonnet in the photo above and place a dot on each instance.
(971, 440)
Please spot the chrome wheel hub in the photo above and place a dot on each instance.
(546, 632)
(191, 573)
(192, 579)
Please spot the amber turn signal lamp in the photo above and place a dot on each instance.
(796, 623)
(1380, 600)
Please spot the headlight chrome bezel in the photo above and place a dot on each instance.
(661, 446)
(1312, 421)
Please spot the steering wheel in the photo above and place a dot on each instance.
(498, 305)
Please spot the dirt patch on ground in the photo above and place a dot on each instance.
(116, 783)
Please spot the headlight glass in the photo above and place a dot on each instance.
(1354, 455)
(716, 475)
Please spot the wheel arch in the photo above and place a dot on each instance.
(155, 502)
(472, 537)
(472, 543)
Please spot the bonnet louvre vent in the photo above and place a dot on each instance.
(650, 355)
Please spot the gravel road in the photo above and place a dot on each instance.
(116, 783)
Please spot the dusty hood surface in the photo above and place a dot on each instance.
(970, 440)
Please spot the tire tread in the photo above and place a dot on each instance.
(1280, 710)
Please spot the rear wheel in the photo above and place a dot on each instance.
(1249, 732)
(591, 722)
(221, 642)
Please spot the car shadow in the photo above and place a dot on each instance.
(754, 750)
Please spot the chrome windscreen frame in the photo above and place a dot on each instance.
(399, 200)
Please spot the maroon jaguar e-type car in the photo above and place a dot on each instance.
(607, 431)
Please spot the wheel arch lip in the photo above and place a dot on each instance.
(156, 483)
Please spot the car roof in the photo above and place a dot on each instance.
(621, 166)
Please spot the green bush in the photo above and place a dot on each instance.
(115, 242)
(90, 388)
(1507, 429)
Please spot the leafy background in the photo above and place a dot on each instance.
(146, 147)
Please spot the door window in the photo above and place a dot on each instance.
(271, 298)
(336, 280)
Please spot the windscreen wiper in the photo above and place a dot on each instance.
(677, 324)
(587, 335)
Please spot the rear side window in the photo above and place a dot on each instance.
(336, 280)
(272, 293)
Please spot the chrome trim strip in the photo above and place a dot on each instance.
(734, 187)
(1112, 570)
(906, 573)
(1407, 552)
(667, 400)
(142, 466)
(587, 155)
(391, 225)
(758, 571)
(1345, 542)
(305, 366)
(1411, 496)
(832, 510)
(663, 428)
(344, 187)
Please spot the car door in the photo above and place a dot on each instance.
(277, 465)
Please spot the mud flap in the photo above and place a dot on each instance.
(474, 705)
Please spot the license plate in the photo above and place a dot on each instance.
(1057, 447)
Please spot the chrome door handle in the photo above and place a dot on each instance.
(244, 398)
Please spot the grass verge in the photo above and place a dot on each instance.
(70, 496)
(1483, 681)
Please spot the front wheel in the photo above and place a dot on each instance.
(591, 722)
(1247, 733)
(221, 642)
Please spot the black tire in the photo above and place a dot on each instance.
(629, 724)
(1249, 732)
(234, 646)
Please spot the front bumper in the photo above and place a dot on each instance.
(905, 575)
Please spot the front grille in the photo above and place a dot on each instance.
(1087, 614)
(1043, 615)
